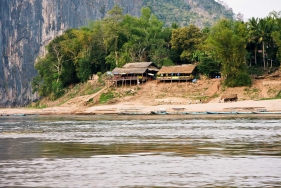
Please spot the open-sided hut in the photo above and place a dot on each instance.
(134, 73)
(180, 72)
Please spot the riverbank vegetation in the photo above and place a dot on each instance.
(231, 48)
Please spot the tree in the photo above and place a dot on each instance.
(276, 36)
(277, 39)
(114, 33)
(42, 82)
(147, 40)
(227, 40)
(263, 36)
(84, 69)
(208, 66)
(253, 34)
(113, 41)
(185, 40)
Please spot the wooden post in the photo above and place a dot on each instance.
(171, 80)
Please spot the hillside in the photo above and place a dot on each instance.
(208, 91)
(202, 13)
(154, 93)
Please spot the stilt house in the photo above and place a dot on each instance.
(134, 73)
(177, 73)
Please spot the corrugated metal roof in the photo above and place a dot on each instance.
(187, 69)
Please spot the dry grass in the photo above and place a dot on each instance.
(76, 91)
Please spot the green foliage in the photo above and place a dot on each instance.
(92, 90)
(37, 105)
(167, 62)
(100, 76)
(186, 40)
(84, 69)
(43, 82)
(255, 70)
(209, 67)
(35, 84)
(179, 11)
(278, 96)
(253, 93)
(276, 35)
(240, 79)
(227, 40)
(105, 97)
(119, 39)
(57, 89)
(90, 100)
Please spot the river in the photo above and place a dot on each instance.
(140, 151)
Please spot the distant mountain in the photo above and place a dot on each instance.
(26, 26)
(202, 13)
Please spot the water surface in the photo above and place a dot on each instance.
(140, 151)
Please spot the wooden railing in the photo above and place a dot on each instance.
(128, 78)
(175, 77)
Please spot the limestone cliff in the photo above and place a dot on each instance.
(26, 26)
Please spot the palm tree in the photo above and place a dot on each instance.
(253, 35)
(272, 26)
(266, 27)
(260, 32)
(276, 35)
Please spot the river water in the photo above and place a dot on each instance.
(140, 151)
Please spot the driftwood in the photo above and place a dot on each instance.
(229, 98)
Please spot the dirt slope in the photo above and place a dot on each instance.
(155, 93)
(210, 90)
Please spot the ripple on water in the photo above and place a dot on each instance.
(87, 152)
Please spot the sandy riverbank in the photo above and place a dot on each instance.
(249, 105)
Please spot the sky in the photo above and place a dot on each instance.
(254, 8)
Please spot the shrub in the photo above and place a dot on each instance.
(241, 79)
(105, 97)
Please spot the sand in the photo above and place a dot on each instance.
(247, 105)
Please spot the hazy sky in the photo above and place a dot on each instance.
(254, 8)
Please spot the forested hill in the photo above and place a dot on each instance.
(202, 13)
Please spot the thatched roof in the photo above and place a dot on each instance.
(138, 65)
(229, 96)
(182, 69)
(136, 68)
(129, 70)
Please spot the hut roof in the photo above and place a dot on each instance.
(129, 70)
(188, 69)
(228, 96)
(137, 65)
(136, 68)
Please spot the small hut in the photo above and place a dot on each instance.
(134, 73)
(229, 98)
(177, 73)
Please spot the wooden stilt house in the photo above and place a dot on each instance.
(177, 73)
(134, 73)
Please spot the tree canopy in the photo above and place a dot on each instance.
(229, 48)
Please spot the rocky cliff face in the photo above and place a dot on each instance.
(26, 26)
